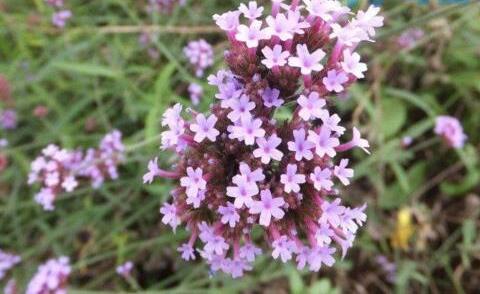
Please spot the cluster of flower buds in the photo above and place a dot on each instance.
(60, 170)
(61, 15)
(164, 6)
(8, 119)
(7, 262)
(51, 277)
(239, 167)
(451, 131)
(200, 55)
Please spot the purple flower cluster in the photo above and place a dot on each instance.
(200, 55)
(7, 262)
(146, 41)
(239, 167)
(61, 15)
(450, 129)
(164, 6)
(60, 170)
(8, 119)
(51, 277)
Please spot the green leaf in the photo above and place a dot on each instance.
(87, 69)
(295, 281)
(394, 196)
(393, 115)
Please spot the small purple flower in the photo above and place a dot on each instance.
(51, 277)
(216, 245)
(153, 171)
(251, 35)
(205, 128)
(271, 99)
(229, 21)
(321, 179)
(60, 18)
(332, 122)
(268, 207)
(187, 252)
(331, 212)
(280, 27)
(319, 256)
(342, 172)
(125, 270)
(247, 130)
(240, 108)
(291, 179)
(247, 175)
(306, 61)
(267, 149)
(301, 146)
(451, 131)
(324, 143)
(170, 216)
(252, 12)
(275, 57)
(55, 3)
(324, 234)
(7, 262)
(195, 91)
(334, 80)
(194, 181)
(249, 252)
(243, 193)
(229, 215)
(8, 119)
(283, 248)
(311, 106)
(351, 64)
(368, 20)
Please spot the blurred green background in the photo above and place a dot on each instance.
(93, 76)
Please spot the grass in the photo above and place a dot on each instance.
(95, 70)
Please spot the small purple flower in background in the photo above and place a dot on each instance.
(196, 92)
(7, 262)
(450, 129)
(409, 38)
(8, 119)
(55, 3)
(388, 267)
(60, 18)
(146, 41)
(59, 170)
(406, 141)
(51, 277)
(200, 55)
(164, 6)
(3, 143)
(125, 270)
(258, 169)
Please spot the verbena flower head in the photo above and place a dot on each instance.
(55, 3)
(7, 262)
(8, 119)
(451, 131)
(51, 277)
(256, 171)
(60, 170)
(200, 55)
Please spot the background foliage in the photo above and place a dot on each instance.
(94, 76)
